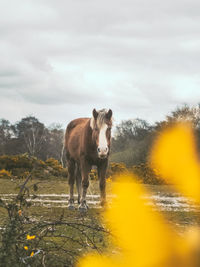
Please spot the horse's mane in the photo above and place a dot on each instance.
(101, 119)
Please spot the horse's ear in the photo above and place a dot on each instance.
(95, 113)
(109, 114)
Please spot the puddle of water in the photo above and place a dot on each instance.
(160, 202)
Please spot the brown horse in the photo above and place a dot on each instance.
(87, 143)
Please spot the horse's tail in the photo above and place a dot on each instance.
(62, 154)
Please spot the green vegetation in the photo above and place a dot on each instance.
(44, 236)
(19, 166)
(133, 138)
(146, 174)
(31, 136)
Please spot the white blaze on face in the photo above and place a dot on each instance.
(103, 144)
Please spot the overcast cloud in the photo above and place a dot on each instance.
(59, 59)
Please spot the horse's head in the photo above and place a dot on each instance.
(101, 124)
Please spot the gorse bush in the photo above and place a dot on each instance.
(116, 169)
(17, 161)
(55, 168)
(143, 172)
(93, 174)
(5, 174)
(54, 164)
(19, 166)
(146, 174)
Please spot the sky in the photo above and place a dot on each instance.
(59, 59)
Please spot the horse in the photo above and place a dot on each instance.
(87, 143)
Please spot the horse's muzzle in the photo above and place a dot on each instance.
(103, 156)
(102, 152)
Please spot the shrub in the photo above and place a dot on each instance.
(21, 165)
(19, 161)
(55, 168)
(29, 239)
(93, 174)
(116, 169)
(146, 174)
(5, 174)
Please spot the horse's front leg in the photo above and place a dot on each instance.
(71, 170)
(78, 183)
(85, 169)
(102, 180)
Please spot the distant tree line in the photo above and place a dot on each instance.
(31, 136)
(133, 138)
(131, 144)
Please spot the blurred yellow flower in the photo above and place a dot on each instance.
(109, 179)
(175, 157)
(25, 247)
(142, 235)
(30, 237)
(32, 253)
(144, 238)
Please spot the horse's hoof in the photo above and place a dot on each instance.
(71, 207)
(83, 208)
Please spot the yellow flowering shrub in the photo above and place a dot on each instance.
(5, 174)
(116, 169)
(93, 174)
(20, 166)
(55, 168)
(146, 174)
(53, 163)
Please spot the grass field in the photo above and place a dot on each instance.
(67, 241)
(57, 186)
(54, 188)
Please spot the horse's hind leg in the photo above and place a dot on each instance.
(102, 181)
(78, 182)
(85, 169)
(71, 171)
